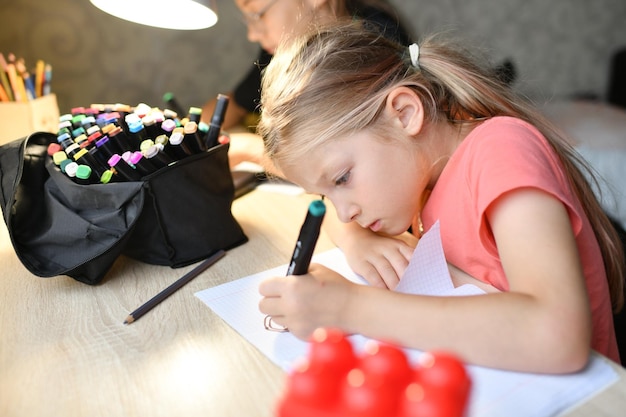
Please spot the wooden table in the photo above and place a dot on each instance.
(65, 352)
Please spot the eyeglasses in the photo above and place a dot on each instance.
(253, 19)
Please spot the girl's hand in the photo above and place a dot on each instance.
(381, 260)
(305, 302)
(244, 147)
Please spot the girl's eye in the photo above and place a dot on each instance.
(343, 179)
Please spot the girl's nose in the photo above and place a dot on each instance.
(253, 34)
(347, 212)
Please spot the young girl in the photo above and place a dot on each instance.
(398, 137)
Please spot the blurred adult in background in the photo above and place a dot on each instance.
(268, 23)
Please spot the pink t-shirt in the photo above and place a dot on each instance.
(500, 155)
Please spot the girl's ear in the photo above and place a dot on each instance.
(404, 107)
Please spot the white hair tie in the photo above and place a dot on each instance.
(414, 51)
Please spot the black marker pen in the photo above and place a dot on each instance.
(192, 137)
(142, 164)
(195, 113)
(217, 119)
(173, 104)
(158, 157)
(303, 252)
(307, 239)
(153, 129)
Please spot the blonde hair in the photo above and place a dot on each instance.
(334, 83)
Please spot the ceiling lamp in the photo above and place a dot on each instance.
(167, 14)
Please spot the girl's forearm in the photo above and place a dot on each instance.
(501, 330)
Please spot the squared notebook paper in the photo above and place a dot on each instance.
(494, 392)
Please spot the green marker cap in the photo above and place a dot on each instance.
(83, 172)
(106, 177)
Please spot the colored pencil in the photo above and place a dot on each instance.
(154, 301)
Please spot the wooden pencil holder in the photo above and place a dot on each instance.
(19, 119)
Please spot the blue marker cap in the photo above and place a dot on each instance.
(135, 127)
(63, 137)
(317, 208)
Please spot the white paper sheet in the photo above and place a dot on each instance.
(494, 392)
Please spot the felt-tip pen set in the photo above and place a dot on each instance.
(116, 142)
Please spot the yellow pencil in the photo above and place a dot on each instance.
(39, 77)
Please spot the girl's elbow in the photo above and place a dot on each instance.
(577, 359)
(571, 349)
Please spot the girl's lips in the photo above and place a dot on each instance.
(375, 227)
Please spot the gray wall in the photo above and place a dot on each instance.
(560, 47)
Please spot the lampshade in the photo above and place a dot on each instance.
(168, 14)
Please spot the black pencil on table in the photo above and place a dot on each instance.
(154, 301)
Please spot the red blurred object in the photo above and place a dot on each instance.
(334, 381)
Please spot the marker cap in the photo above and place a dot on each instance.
(135, 158)
(135, 127)
(72, 149)
(53, 148)
(190, 127)
(168, 125)
(170, 114)
(108, 128)
(148, 120)
(142, 109)
(64, 163)
(63, 137)
(66, 124)
(95, 137)
(93, 129)
(80, 138)
(317, 208)
(79, 154)
(132, 118)
(146, 144)
(176, 138)
(106, 177)
(71, 168)
(83, 172)
(78, 119)
(126, 156)
(59, 157)
(88, 120)
(65, 118)
(161, 140)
